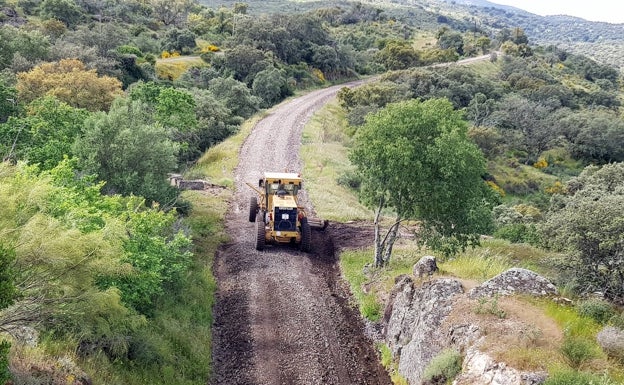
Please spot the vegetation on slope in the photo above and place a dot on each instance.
(91, 122)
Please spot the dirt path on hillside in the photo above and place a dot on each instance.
(283, 316)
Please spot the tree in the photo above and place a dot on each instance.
(172, 12)
(131, 153)
(236, 96)
(415, 159)
(398, 55)
(66, 11)
(70, 82)
(587, 223)
(271, 86)
(45, 135)
(8, 101)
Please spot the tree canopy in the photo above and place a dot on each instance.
(415, 159)
(71, 82)
(586, 223)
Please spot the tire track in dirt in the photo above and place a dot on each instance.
(283, 316)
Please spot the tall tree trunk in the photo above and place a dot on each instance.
(389, 240)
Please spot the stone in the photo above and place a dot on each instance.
(515, 281)
(413, 331)
(426, 266)
(611, 340)
(479, 368)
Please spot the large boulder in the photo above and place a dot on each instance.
(611, 340)
(515, 281)
(414, 319)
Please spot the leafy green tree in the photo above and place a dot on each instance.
(45, 135)
(271, 86)
(243, 62)
(236, 96)
(66, 11)
(587, 223)
(398, 55)
(172, 12)
(594, 136)
(415, 159)
(8, 101)
(125, 148)
(453, 40)
(175, 110)
(181, 40)
(215, 121)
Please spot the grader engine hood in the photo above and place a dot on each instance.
(285, 213)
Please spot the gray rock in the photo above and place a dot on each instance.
(426, 266)
(515, 281)
(480, 369)
(413, 330)
(611, 340)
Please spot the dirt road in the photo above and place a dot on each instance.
(283, 316)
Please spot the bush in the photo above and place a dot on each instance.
(519, 233)
(5, 374)
(443, 368)
(578, 351)
(596, 309)
(350, 180)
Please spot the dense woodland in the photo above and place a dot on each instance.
(95, 246)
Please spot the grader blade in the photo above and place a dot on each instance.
(318, 223)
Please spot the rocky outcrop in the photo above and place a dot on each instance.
(413, 330)
(418, 326)
(515, 281)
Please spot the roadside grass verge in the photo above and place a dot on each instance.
(218, 163)
(324, 155)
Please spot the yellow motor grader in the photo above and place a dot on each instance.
(276, 211)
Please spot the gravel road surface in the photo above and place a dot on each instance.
(283, 316)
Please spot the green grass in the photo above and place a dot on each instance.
(218, 163)
(324, 155)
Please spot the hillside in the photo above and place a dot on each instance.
(602, 42)
(111, 272)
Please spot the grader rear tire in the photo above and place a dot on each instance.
(306, 236)
(260, 234)
(253, 209)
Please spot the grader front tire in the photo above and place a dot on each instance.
(306, 236)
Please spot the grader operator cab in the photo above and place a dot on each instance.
(278, 216)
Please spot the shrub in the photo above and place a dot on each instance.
(578, 351)
(443, 368)
(5, 374)
(519, 233)
(350, 180)
(596, 309)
